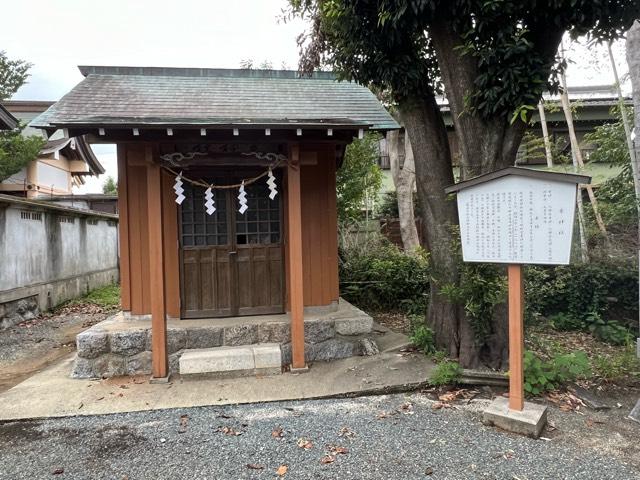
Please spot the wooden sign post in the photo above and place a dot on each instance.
(517, 216)
(516, 337)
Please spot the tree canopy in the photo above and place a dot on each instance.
(491, 59)
(110, 186)
(15, 150)
(13, 74)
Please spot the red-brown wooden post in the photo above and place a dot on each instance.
(159, 359)
(516, 337)
(294, 230)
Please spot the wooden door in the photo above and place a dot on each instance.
(232, 263)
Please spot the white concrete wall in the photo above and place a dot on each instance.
(52, 246)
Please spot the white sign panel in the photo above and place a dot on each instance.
(516, 219)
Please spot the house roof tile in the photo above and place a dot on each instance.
(132, 96)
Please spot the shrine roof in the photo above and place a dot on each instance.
(522, 172)
(174, 97)
(7, 121)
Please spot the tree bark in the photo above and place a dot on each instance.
(425, 126)
(404, 180)
(486, 144)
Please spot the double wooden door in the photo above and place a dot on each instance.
(231, 263)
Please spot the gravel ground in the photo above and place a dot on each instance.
(386, 437)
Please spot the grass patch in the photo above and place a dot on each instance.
(609, 363)
(106, 297)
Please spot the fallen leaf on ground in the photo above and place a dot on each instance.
(453, 395)
(305, 443)
(439, 405)
(282, 470)
(277, 433)
(229, 431)
(346, 432)
(327, 459)
(184, 419)
(406, 409)
(255, 466)
(338, 450)
(58, 471)
(428, 471)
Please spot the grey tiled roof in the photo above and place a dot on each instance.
(7, 121)
(131, 96)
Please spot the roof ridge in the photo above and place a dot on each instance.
(201, 72)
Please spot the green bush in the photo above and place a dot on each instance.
(565, 323)
(581, 290)
(422, 337)
(608, 331)
(446, 373)
(543, 375)
(382, 277)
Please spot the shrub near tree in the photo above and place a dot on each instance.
(493, 59)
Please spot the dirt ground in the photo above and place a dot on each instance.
(31, 346)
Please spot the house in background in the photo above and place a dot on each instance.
(592, 107)
(228, 232)
(62, 164)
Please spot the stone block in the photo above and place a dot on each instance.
(236, 335)
(316, 331)
(274, 332)
(368, 347)
(354, 326)
(286, 353)
(137, 364)
(174, 362)
(267, 357)
(128, 342)
(92, 343)
(530, 421)
(204, 337)
(176, 339)
(332, 349)
(217, 360)
(84, 368)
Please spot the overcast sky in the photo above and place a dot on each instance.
(57, 35)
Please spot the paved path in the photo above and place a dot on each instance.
(387, 437)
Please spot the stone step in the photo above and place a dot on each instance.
(261, 358)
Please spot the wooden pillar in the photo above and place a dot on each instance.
(123, 230)
(516, 337)
(159, 359)
(294, 245)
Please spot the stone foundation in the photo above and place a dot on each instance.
(119, 346)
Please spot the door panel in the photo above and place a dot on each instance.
(232, 264)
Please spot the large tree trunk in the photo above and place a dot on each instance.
(425, 126)
(404, 180)
(485, 145)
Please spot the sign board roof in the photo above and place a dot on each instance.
(523, 172)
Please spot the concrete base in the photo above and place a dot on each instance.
(304, 369)
(262, 358)
(530, 421)
(160, 380)
(121, 345)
